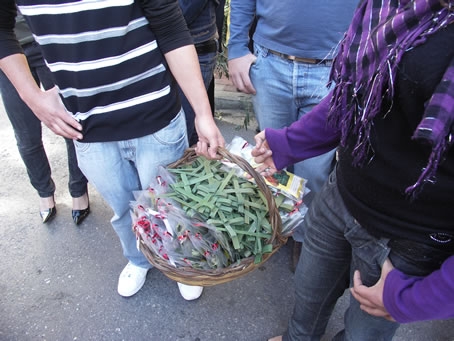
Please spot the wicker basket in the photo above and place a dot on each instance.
(191, 276)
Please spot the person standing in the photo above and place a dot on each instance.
(294, 43)
(116, 66)
(28, 133)
(200, 16)
(383, 221)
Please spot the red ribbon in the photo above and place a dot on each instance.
(160, 181)
(294, 211)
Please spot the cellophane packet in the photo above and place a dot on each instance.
(290, 185)
(173, 236)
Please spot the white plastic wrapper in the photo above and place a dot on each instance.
(290, 185)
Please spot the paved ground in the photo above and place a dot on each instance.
(58, 281)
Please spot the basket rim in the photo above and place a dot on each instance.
(206, 277)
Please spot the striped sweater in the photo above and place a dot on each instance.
(107, 64)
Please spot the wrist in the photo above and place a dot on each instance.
(32, 96)
(203, 111)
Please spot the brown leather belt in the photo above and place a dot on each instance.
(303, 60)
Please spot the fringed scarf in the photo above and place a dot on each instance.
(365, 69)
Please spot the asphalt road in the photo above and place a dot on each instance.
(58, 281)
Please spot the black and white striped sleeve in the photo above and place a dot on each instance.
(167, 23)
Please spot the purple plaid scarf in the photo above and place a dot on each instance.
(365, 69)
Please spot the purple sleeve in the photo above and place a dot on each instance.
(410, 299)
(308, 137)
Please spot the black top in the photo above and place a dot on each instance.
(374, 193)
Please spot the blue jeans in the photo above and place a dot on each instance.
(118, 168)
(286, 90)
(27, 129)
(207, 63)
(334, 246)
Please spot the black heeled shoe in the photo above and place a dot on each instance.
(48, 214)
(80, 215)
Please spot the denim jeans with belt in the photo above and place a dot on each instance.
(27, 129)
(118, 168)
(335, 245)
(285, 91)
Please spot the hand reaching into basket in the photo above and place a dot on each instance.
(210, 138)
(263, 155)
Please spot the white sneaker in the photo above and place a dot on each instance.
(131, 280)
(190, 292)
